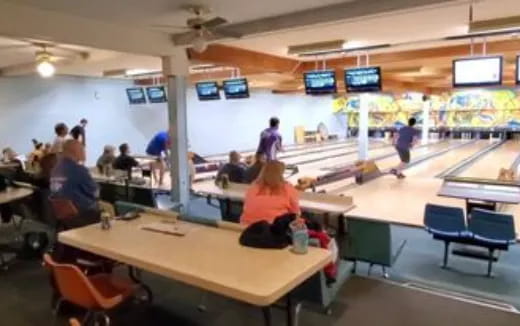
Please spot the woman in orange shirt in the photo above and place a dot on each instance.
(270, 196)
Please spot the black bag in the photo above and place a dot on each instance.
(34, 245)
(269, 236)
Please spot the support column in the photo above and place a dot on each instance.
(176, 70)
(426, 120)
(363, 127)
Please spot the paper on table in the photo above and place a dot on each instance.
(179, 229)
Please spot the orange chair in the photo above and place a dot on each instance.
(97, 294)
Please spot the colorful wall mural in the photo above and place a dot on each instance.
(482, 108)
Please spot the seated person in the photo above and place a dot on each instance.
(254, 170)
(235, 170)
(38, 204)
(71, 180)
(36, 155)
(41, 179)
(270, 196)
(124, 161)
(9, 156)
(47, 149)
(106, 159)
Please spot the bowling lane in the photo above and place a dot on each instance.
(436, 165)
(320, 167)
(490, 164)
(416, 153)
(339, 186)
(322, 155)
(292, 149)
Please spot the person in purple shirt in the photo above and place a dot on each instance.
(270, 140)
(404, 140)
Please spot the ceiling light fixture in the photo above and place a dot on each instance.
(45, 69)
(44, 65)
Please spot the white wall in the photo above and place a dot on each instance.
(31, 106)
(220, 126)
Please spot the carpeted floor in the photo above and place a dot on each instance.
(25, 302)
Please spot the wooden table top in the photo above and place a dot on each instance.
(313, 202)
(206, 257)
(13, 194)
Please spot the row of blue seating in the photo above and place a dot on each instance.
(484, 228)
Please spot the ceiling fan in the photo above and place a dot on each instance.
(199, 30)
(45, 60)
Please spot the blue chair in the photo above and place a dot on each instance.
(493, 230)
(445, 223)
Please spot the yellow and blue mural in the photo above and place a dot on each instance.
(482, 108)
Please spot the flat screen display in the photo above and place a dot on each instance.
(366, 79)
(320, 82)
(236, 88)
(156, 94)
(518, 70)
(136, 95)
(475, 72)
(207, 91)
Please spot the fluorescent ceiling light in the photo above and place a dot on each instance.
(347, 45)
(316, 47)
(497, 24)
(137, 71)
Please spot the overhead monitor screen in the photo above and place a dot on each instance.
(518, 70)
(366, 79)
(156, 94)
(136, 95)
(207, 91)
(236, 88)
(320, 82)
(475, 72)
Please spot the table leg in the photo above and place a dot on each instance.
(292, 310)
(135, 275)
(267, 316)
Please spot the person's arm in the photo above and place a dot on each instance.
(83, 137)
(134, 162)
(395, 139)
(279, 144)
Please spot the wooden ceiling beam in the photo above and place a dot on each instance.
(243, 59)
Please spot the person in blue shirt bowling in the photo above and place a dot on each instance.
(159, 147)
(404, 140)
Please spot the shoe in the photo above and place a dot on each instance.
(401, 176)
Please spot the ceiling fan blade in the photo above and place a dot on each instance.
(184, 38)
(226, 33)
(217, 21)
(170, 27)
(15, 47)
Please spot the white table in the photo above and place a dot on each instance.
(209, 258)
